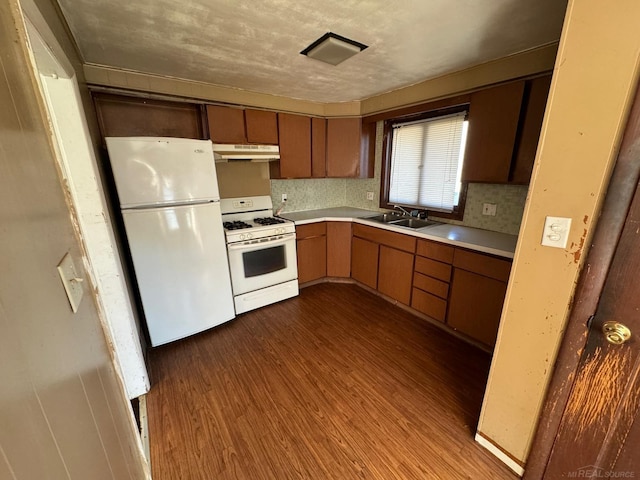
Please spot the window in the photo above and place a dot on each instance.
(424, 162)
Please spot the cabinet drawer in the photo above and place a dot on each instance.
(429, 304)
(436, 251)
(482, 264)
(311, 230)
(438, 270)
(385, 237)
(431, 285)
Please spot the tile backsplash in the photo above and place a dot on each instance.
(315, 193)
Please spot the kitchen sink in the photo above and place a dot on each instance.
(413, 223)
(386, 217)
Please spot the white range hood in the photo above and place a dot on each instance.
(247, 153)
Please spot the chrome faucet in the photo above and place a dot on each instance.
(404, 212)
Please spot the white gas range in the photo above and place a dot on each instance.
(262, 252)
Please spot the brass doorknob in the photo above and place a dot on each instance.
(616, 333)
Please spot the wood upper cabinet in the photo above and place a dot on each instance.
(295, 145)
(494, 114)
(395, 274)
(122, 116)
(319, 147)
(240, 126)
(350, 148)
(478, 289)
(311, 244)
(534, 105)
(261, 126)
(339, 249)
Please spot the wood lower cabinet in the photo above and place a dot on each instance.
(383, 260)
(339, 249)
(364, 261)
(311, 244)
(395, 272)
(432, 273)
(478, 289)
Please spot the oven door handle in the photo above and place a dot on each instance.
(244, 246)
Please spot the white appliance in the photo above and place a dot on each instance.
(262, 253)
(253, 153)
(168, 192)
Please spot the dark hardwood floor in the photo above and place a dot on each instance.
(334, 384)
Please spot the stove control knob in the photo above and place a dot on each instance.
(242, 236)
(249, 235)
(280, 230)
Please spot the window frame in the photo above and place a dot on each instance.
(385, 184)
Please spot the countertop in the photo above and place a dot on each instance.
(485, 241)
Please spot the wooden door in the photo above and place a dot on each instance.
(261, 126)
(590, 426)
(226, 124)
(295, 145)
(395, 274)
(364, 261)
(339, 249)
(493, 125)
(343, 147)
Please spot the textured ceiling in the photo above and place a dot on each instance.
(255, 45)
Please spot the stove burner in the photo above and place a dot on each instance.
(237, 225)
(268, 221)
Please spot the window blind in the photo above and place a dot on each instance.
(426, 161)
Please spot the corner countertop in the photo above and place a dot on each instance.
(485, 241)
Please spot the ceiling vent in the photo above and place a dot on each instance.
(333, 49)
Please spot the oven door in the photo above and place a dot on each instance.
(265, 262)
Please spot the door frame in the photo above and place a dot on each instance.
(622, 186)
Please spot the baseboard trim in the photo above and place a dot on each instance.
(144, 428)
(496, 451)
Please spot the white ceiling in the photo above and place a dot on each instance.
(255, 45)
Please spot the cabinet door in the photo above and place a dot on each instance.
(364, 261)
(339, 249)
(395, 274)
(319, 147)
(226, 124)
(493, 123)
(295, 145)
(122, 116)
(262, 127)
(475, 305)
(343, 147)
(534, 107)
(312, 258)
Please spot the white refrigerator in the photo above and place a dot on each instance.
(168, 192)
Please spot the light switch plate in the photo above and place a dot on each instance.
(556, 232)
(72, 281)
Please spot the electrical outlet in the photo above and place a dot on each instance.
(284, 197)
(369, 195)
(489, 209)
